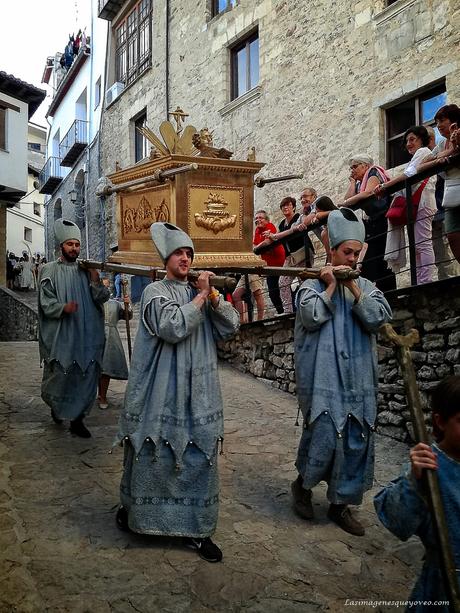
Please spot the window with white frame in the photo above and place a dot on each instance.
(97, 93)
(244, 65)
(27, 234)
(133, 39)
(419, 109)
(2, 128)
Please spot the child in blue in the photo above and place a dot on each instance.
(402, 504)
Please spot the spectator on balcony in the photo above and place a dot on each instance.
(364, 178)
(448, 123)
(294, 249)
(415, 139)
(274, 257)
(442, 256)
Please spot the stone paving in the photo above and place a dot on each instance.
(60, 550)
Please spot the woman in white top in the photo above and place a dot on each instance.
(416, 141)
(448, 123)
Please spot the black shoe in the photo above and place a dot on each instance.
(122, 519)
(207, 550)
(341, 515)
(78, 428)
(57, 420)
(302, 500)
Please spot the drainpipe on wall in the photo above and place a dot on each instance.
(167, 59)
(88, 148)
(46, 224)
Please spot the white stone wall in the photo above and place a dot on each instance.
(326, 70)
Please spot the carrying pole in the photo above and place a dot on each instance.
(403, 345)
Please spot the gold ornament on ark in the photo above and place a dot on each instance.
(182, 141)
(141, 218)
(215, 217)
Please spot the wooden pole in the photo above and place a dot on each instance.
(124, 285)
(220, 282)
(403, 345)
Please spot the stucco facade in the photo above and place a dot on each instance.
(25, 220)
(328, 71)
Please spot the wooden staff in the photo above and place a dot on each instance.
(124, 285)
(220, 282)
(430, 478)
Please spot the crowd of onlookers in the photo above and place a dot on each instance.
(22, 272)
(436, 203)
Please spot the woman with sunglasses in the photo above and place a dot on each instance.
(364, 178)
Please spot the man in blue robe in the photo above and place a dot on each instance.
(336, 374)
(172, 419)
(71, 331)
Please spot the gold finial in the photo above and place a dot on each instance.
(179, 117)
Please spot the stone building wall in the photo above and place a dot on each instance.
(89, 210)
(18, 321)
(326, 72)
(266, 350)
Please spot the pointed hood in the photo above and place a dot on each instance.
(344, 225)
(66, 230)
(167, 238)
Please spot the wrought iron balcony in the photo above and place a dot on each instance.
(109, 8)
(73, 143)
(50, 176)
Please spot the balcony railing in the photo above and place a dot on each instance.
(74, 142)
(109, 8)
(50, 176)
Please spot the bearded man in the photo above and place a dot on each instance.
(71, 331)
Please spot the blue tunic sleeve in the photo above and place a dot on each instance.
(165, 318)
(314, 307)
(402, 509)
(48, 300)
(372, 309)
(225, 320)
(99, 293)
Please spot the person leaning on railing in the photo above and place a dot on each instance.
(448, 123)
(415, 140)
(364, 178)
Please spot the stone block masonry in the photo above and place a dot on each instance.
(265, 349)
(18, 321)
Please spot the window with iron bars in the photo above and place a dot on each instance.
(417, 110)
(133, 38)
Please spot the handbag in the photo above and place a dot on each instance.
(397, 213)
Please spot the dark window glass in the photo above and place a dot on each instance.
(34, 146)
(418, 110)
(429, 106)
(245, 65)
(219, 6)
(37, 209)
(140, 142)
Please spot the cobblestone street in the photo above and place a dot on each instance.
(60, 550)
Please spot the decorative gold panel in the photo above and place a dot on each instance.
(140, 210)
(215, 211)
